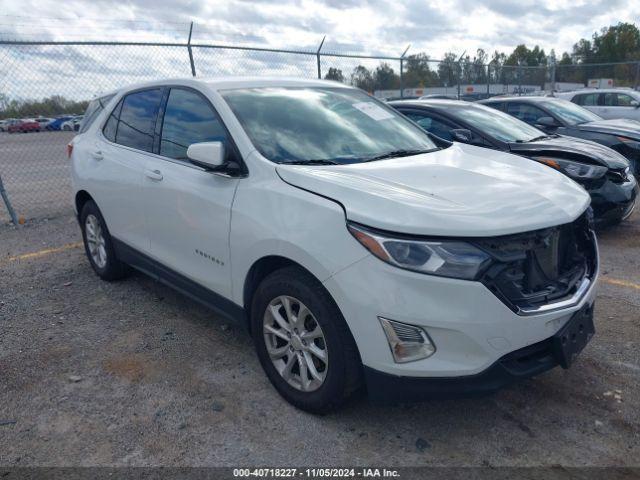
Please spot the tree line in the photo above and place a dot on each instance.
(46, 107)
(618, 43)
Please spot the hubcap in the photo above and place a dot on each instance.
(295, 343)
(95, 241)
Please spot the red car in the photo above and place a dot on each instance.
(24, 126)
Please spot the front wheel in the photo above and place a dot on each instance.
(303, 342)
(98, 244)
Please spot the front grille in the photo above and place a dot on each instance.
(536, 268)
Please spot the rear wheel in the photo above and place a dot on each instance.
(303, 342)
(98, 244)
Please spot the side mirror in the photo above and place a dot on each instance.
(461, 135)
(208, 155)
(546, 122)
(635, 103)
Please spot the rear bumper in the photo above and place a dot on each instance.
(526, 362)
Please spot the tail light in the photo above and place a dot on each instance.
(69, 149)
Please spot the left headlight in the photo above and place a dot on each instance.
(446, 258)
(575, 170)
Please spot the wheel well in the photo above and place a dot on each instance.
(82, 197)
(258, 272)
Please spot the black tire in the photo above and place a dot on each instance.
(113, 269)
(344, 370)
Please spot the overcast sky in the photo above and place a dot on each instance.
(355, 25)
(351, 26)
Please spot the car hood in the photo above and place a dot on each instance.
(572, 148)
(625, 127)
(461, 191)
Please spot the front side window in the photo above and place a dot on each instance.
(624, 100)
(498, 125)
(138, 119)
(188, 118)
(570, 113)
(318, 124)
(432, 125)
(525, 112)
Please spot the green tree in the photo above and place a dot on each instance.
(385, 78)
(334, 74)
(361, 78)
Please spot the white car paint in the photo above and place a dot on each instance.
(168, 210)
(607, 102)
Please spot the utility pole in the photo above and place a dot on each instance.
(402, 70)
(459, 72)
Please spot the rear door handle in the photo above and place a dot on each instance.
(154, 175)
(97, 155)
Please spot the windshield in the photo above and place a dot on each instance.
(496, 124)
(331, 125)
(570, 113)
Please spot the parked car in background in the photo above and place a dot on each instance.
(607, 102)
(603, 172)
(24, 126)
(56, 124)
(354, 248)
(556, 115)
(44, 122)
(5, 124)
(73, 124)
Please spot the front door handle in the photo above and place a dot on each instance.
(97, 155)
(154, 175)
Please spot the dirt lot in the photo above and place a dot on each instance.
(131, 373)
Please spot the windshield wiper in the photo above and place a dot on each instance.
(534, 139)
(395, 154)
(311, 162)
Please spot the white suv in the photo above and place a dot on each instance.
(358, 251)
(609, 103)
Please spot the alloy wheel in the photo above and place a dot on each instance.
(295, 343)
(95, 241)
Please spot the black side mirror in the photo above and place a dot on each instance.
(547, 122)
(635, 103)
(461, 135)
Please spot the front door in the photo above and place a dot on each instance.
(188, 209)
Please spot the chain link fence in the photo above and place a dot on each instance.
(56, 80)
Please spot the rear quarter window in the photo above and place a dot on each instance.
(94, 109)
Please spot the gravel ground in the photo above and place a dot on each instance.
(133, 374)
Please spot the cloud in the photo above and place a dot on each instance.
(383, 27)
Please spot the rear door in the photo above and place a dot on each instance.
(117, 161)
(188, 209)
(591, 101)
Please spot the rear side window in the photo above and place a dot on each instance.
(586, 99)
(138, 119)
(188, 118)
(132, 122)
(94, 109)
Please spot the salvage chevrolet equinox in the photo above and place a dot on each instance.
(358, 251)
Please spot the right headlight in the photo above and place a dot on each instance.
(575, 170)
(446, 258)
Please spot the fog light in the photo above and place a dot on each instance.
(407, 342)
